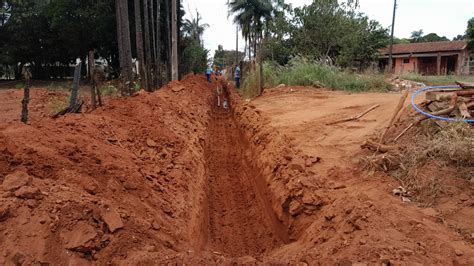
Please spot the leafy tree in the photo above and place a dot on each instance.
(459, 37)
(194, 29)
(278, 45)
(401, 41)
(433, 37)
(363, 47)
(416, 36)
(324, 27)
(225, 58)
(470, 34)
(194, 57)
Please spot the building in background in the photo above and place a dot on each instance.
(428, 58)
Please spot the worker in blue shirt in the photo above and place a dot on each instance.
(237, 77)
(208, 73)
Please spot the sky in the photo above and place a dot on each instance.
(443, 17)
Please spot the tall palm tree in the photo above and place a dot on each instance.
(251, 16)
(193, 29)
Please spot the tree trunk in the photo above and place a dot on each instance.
(125, 49)
(174, 40)
(147, 46)
(168, 40)
(158, 50)
(118, 17)
(260, 59)
(153, 42)
(127, 46)
(139, 43)
(250, 47)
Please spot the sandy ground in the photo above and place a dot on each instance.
(302, 113)
(168, 177)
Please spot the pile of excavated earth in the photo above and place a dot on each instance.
(174, 177)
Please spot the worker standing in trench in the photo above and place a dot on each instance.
(208, 74)
(237, 77)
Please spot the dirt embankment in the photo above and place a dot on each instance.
(103, 186)
(157, 177)
(169, 177)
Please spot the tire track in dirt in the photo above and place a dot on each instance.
(240, 219)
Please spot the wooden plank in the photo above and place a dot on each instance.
(464, 110)
(465, 85)
(354, 117)
(399, 107)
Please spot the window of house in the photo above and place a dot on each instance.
(406, 60)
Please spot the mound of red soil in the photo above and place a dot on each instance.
(170, 177)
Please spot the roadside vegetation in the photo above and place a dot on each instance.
(438, 80)
(305, 72)
(57, 103)
(450, 148)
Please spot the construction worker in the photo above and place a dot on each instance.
(208, 73)
(237, 77)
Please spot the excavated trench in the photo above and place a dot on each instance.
(240, 219)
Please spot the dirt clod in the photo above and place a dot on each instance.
(16, 180)
(113, 220)
(28, 192)
(81, 237)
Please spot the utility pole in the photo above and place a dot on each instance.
(390, 52)
(236, 45)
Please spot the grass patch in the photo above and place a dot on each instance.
(437, 80)
(55, 86)
(109, 90)
(304, 72)
(19, 85)
(57, 103)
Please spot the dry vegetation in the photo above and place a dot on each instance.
(423, 163)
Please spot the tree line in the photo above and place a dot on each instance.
(52, 34)
(328, 30)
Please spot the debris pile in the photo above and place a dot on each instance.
(455, 103)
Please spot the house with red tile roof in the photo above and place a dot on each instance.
(428, 58)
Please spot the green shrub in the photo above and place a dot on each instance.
(304, 72)
(136, 86)
(109, 90)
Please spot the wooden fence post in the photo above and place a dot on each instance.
(75, 86)
(26, 94)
